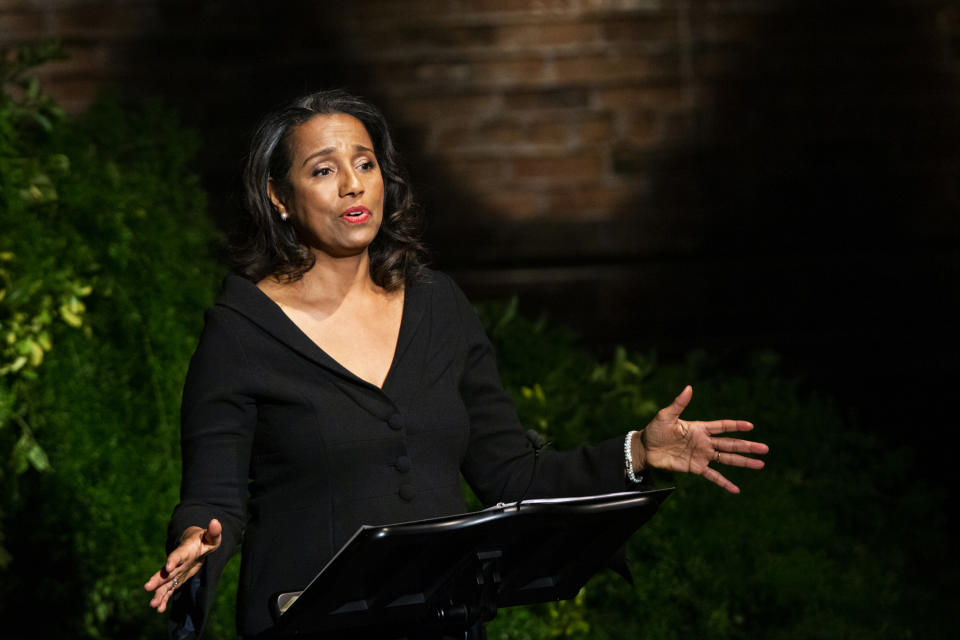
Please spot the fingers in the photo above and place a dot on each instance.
(212, 534)
(183, 554)
(161, 596)
(673, 411)
(164, 588)
(717, 478)
(155, 581)
(194, 544)
(162, 585)
(728, 451)
(724, 426)
(734, 460)
(211, 537)
(183, 562)
(180, 565)
(734, 445)
(700, 448)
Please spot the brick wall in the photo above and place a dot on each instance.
(670, 173)
(528, 109)
(626, 163)
(525, 102)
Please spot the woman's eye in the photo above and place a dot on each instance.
(367, 165)
(321, 171)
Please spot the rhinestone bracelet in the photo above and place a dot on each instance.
(628, 458)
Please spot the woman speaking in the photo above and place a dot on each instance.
(339, 382)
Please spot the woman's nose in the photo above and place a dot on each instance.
(350, 184)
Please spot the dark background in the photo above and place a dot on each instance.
(729, 175)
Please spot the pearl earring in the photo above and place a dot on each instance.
(284, 216)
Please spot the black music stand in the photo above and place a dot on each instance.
(446, 574)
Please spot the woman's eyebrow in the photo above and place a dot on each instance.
(329, 150)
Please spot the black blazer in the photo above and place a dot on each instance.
(293, 452)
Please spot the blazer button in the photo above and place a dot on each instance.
(395, 422)
(407, 492)
(403, 464)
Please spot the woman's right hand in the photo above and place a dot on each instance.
(183, 562)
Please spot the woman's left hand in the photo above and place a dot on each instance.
(692, 446)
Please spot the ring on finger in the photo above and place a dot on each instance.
(176, 581)
(717, 459)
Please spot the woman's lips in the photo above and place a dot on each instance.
(356, 215)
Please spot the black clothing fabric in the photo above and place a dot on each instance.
(292, 452)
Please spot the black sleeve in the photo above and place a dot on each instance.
(499, 460)
(218, 417)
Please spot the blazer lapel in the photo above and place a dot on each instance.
(244, 297)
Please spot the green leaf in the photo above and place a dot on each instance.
(43, 121)
(27, 452)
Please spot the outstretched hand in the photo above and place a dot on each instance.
(691, 446)
(183, 562)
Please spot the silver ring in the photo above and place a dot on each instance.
(176, 581)
(718, 458)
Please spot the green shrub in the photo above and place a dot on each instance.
(104, 272)
(104, 226)
(831, 540)
(33, 300)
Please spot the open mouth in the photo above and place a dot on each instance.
(356, 215)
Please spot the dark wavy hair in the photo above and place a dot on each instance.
(272, 247)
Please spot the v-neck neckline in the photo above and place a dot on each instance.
(406, 320)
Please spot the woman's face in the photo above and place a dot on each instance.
(336, 201)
